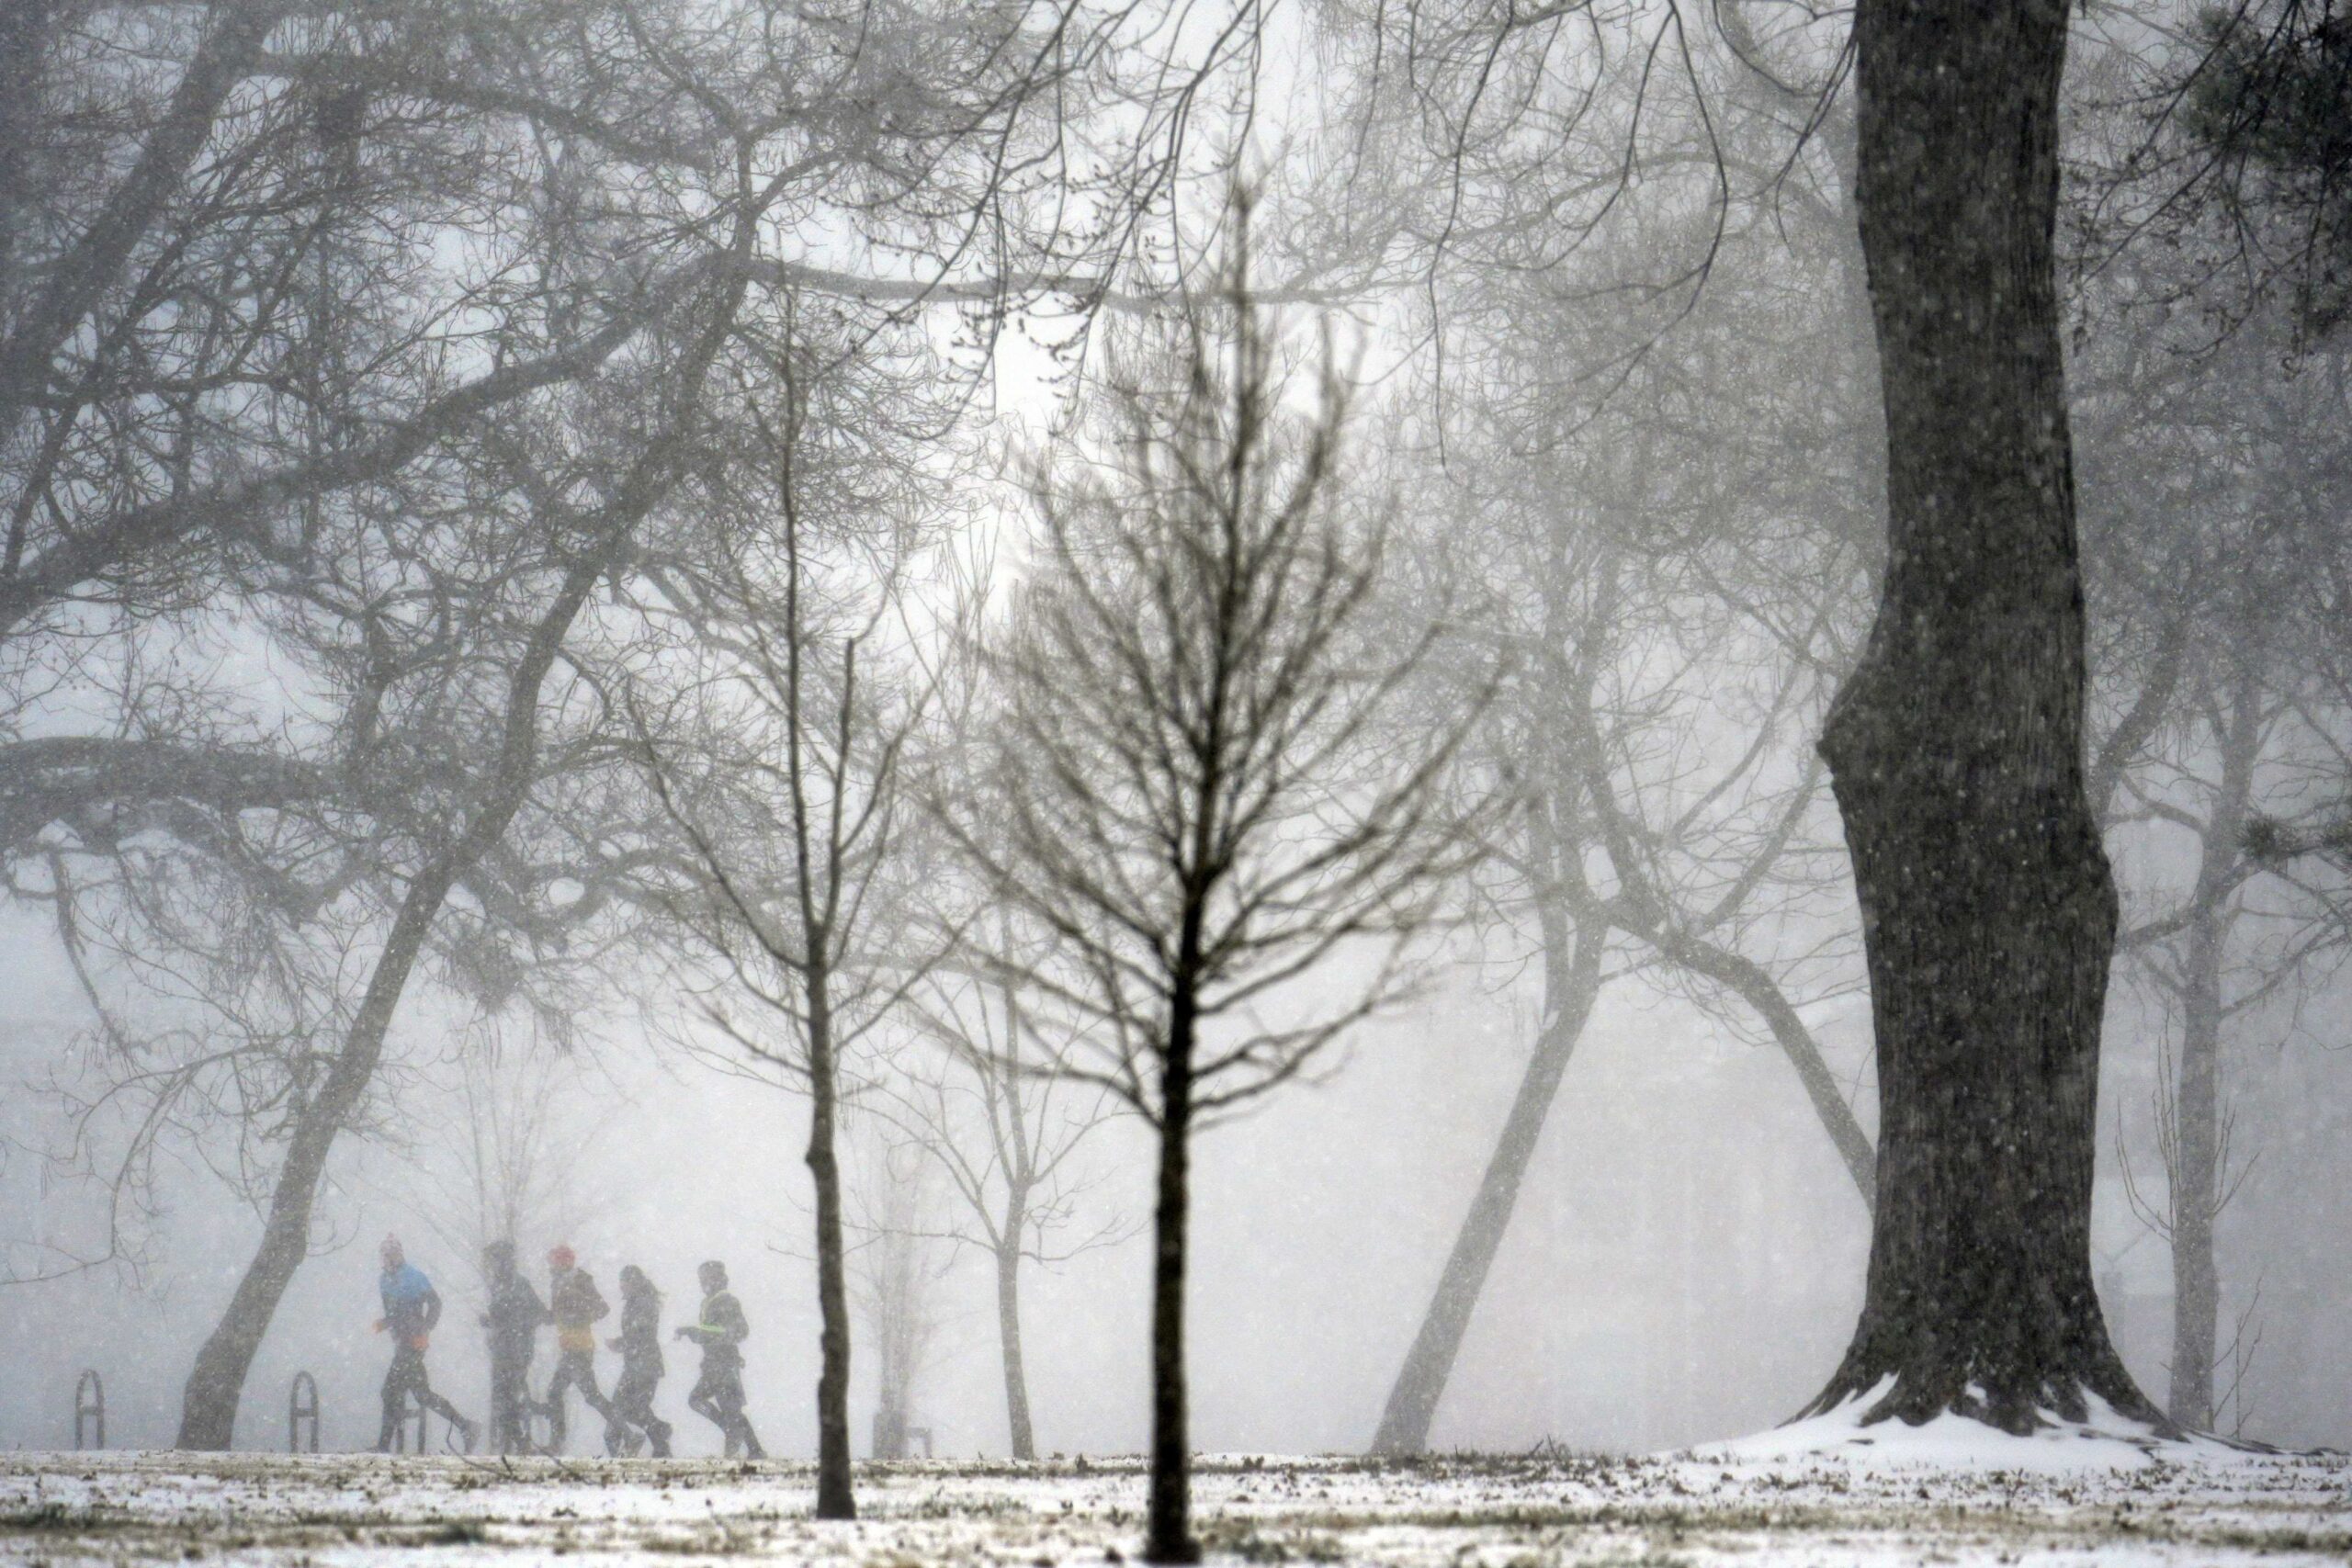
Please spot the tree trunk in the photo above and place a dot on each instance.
(1955, 747)
(2194, 1174)
(1169, 1537)
(215, 1385)
(24, 46)
(2196, 1180)
(1571, 982)
(1008, 1325)
(835, 1499)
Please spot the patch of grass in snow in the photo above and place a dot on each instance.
(2337, 1542)
(1252, 1544)
(42, 1517)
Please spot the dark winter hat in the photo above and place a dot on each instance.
(712, 1276)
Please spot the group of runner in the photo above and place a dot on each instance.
(574, 1305)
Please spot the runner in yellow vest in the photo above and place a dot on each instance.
(578, 1306)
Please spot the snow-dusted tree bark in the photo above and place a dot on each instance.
(1956, 747)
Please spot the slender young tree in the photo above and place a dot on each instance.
(897, 1257)
(1190, 799)
(780, 765)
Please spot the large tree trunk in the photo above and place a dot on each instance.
(1008, 1327)
(1956, 746)
(1571, 982)
(24, 46)
(1169, 1535)
(835, 1500)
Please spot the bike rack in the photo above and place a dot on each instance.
(90, 1407)
(399, 1429)
(302, 1405)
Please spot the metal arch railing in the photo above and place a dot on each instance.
(399, 1428)
(301, 1406)
(89, 1410)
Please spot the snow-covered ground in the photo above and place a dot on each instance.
(1819, 1502)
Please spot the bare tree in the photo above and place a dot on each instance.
(1679, 573)
(160, 428)
(895, 1270)
(502, 1116)
(781, 764)
(1622, 831)
(2211, 482)
(1190, 803)
(1005, 1130)
(1955, 745)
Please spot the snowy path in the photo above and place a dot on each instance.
(1759, 1513)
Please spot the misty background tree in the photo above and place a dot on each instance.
(1005, 1132)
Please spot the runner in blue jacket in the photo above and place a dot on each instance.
(412, 1307)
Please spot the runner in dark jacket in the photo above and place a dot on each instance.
(717, 1395)
(640, 1346)
(514, 1319)
(412, 1307)
(578, 1307)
